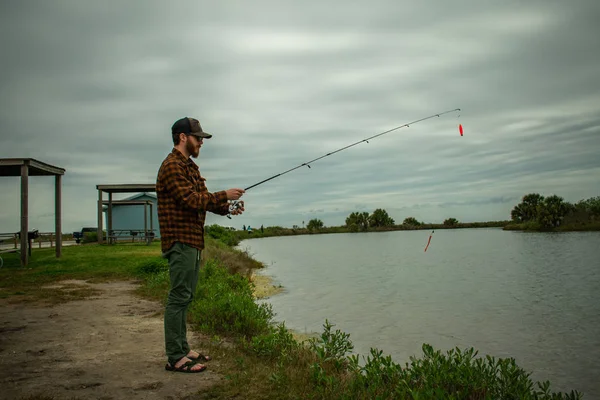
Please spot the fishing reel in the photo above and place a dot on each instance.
(234, 205)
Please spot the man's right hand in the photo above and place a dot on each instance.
(234, 194)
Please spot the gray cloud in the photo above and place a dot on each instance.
(94, 88)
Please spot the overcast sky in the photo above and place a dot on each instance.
(94, 87)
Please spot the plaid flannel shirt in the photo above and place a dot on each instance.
(183, 201)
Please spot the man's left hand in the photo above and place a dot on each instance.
(239, 208)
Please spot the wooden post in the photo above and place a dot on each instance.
(57, 215)
(149, 241)
(99, 231)
(24, 212)
(145, 220)
(109, 217)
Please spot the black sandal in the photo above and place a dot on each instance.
(201, 357)
(186, 368)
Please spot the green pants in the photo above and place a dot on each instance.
(184, 266)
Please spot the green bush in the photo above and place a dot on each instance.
(225, 235)
(278, 343)
(155, 273)
(327, 372)
(457, 374)
(225, 304)
(153, 267)
(90, 237)
(454, 375)
(331, 347)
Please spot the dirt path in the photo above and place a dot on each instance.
(105, 347)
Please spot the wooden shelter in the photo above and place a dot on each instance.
(110, 189)
(147, 233)
(26, 167)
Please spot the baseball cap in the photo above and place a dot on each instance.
(189, 126)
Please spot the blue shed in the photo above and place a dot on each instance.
(131, 217)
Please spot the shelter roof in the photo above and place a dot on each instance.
(137, 196)
(12, 167)
(128, 188)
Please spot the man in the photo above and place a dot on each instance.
(183, 201)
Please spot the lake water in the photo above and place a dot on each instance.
(531, 296)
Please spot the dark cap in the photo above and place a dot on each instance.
(189, 126)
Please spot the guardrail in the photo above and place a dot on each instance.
(116, 235)
(10, 242)
(12, 238)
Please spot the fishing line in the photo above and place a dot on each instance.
(235, 203)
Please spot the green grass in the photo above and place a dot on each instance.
(95, 263)
(262, 360)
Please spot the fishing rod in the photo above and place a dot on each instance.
(234, 204)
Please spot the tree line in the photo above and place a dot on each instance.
(379, 218)
(538, 212)
(534, 212)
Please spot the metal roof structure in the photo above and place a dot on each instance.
(117, 188)
(128, 202)
(26, 167)
(127, 188)
(137, 196)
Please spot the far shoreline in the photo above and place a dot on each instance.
(504, 225)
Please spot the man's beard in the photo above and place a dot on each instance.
(191, 148)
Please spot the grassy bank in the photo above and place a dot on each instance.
(261, 359)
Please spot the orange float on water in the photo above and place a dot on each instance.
(429, 241)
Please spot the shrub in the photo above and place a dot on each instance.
(153, 267)
(155, 274)
(411, 221)
(450, 222)
(278, 343)
(457, 374)
(454, 375)
(222, 234)
(225, 304)
(90, 237)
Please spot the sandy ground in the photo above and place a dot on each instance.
(105, 347)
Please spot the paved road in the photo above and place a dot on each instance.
(35, 245)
